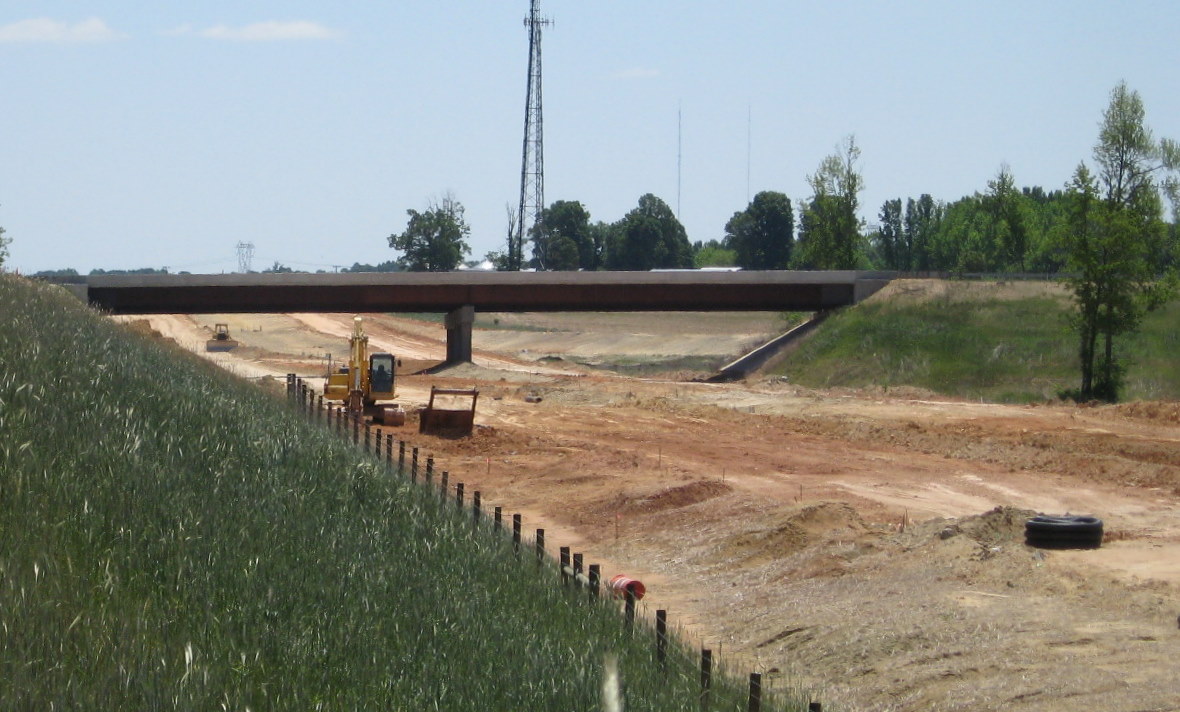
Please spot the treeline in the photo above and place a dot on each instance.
(1002, 229)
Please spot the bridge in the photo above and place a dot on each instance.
(460, 294)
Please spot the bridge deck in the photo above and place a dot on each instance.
(485, 291)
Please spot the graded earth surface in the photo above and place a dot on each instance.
(863, 546)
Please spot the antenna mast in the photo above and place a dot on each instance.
(678, 155)
(532, 162)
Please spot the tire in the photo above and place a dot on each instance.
(1067, 532)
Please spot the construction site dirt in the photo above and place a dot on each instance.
(866, 546)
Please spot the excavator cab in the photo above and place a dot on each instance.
(381, 376)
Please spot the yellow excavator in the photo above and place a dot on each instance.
(364, 381)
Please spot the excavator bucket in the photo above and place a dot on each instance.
(447, 413)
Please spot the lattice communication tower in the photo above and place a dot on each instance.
(532, 162)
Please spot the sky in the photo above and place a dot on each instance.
(164, 134)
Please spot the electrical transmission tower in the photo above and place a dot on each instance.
(245, 256)
(532, 162)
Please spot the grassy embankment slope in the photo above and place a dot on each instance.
(1005, 342)
(172, 538)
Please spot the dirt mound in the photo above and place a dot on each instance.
(678, 497)
(796, 529)
(998, 526)
(1155, 411)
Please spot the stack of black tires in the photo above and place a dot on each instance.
(1065, 532)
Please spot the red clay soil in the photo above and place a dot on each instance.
(865, 547)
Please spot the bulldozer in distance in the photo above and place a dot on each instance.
(220, 340)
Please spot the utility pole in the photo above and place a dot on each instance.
(245, 256)
(532, 162)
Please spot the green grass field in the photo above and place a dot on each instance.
(173, 538)
(972, 340)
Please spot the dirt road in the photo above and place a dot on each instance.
(867, 546)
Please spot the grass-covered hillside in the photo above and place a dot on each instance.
(172, 538)
(1007, 342)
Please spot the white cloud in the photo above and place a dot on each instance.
(44, 29)
(637, 73)
(271, 31)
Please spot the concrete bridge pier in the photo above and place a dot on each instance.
(459, 323)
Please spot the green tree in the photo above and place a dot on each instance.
(562, 239)
(1008, 231)
(922, 220)
(830, 229)
(649, 237)
(434, 240)
(1082, 239)
(1115, 238)
(890, 237)
(713, 254)
(763, 235)
(4, 242)
(601, 236)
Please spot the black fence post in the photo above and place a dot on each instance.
(706, 676)
(539, 545)
(476, 506)
(595, 578)
(414, 466)
(564, 561)
(516, 522)
(755, 692)
(459, 495)
(389, 449)
(629, 608)
(444, 486)
(429, 467)
(368, 437)
(662, 638)
(499, 516)
(356, 428)
(401, 457)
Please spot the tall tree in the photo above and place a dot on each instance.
(4, 242)
(763, 234)
(562, 238)
(1008, 233)
(830, 228)
(891, 237)
(1115, 238)
(434, 240)
(922, 219)
(649, 237)
(1083, 241)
